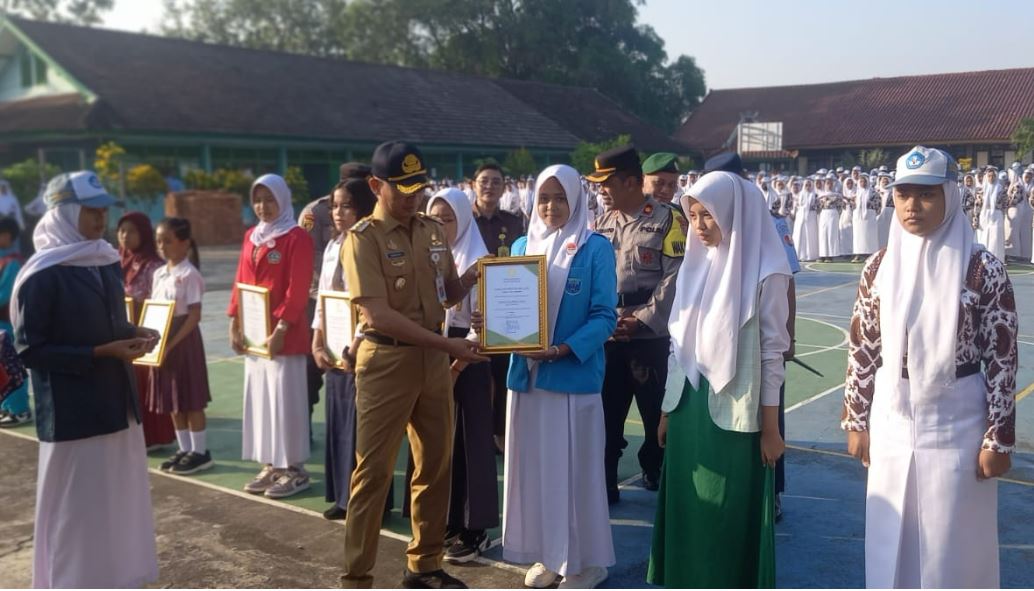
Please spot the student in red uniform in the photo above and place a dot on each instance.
(180, 386)
(139, 261)
(276, 254)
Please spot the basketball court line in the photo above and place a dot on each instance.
(825, 289)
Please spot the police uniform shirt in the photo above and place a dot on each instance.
(499, 231)
(384, 259)
(315, 219)
(648, 247)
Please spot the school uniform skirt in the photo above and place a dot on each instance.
(715, 524)
(339, 459)
(555, 495)
(181, 383)
(94, 526)
(829, 233)
(275, 426)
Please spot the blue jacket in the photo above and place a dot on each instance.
(65, 313)
(587, 317)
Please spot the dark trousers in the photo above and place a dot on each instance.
(634, 369)
(474, 500)
(500, 365)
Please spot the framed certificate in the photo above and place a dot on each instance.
(513, 301)
(253, 310)
(157, 315)
(130, 310)
(338, 323)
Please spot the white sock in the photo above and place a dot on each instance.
(183, 438)
(197, 439)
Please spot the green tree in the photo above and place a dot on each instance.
(1023, 137)
(26, 178)
(520, 162)
(591, 43)
(299, 187)
(583, 158)
(81, 12)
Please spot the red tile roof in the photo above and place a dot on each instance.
(968, 107)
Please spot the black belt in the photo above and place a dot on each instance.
(636, 298)
(390, 341)
(961, 371)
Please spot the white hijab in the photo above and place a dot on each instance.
(862, 196)
(919, 282)
(990, 192)
(58, 242)
(560, 245)
(469, 246)
(265, 233)
(717, 288)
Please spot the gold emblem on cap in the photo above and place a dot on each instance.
(411, 164)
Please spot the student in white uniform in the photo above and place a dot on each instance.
(1018, 218)
(806, 223)
(830, 204)
(993, 201)
(865, 231)
(886, 212)
(929, 401)
(847, 217)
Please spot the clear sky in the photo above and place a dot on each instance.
(767, 42)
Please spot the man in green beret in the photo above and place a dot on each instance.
(660, 176)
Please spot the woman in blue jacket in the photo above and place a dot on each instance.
(555, 510)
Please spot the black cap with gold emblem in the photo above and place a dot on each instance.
(400, 164)
(621, 159)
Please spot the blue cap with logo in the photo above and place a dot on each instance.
(81, 187)
(925, 166)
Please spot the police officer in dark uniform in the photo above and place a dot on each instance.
(499, 229)
(649, 242)
(400, 273)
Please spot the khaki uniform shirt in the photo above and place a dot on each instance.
(649, 247)
(315, 219)
(384, 259)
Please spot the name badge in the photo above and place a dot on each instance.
(439, 284)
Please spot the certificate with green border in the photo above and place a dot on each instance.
(512, 294)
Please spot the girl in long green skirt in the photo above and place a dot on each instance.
(715, 515)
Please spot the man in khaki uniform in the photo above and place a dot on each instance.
(399, 271)
(649, 242)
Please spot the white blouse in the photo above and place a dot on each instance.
(181, 283)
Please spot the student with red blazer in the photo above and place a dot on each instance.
(277, 255)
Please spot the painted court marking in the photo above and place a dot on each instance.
(825, 289)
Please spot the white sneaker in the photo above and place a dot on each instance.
(589, 578)
(539, 577)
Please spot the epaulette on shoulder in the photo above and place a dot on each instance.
(361, 225)
(428, 218)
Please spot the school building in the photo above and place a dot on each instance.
(972, 115)
(185, 105)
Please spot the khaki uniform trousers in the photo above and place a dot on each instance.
(399, 390)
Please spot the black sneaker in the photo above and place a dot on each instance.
(469, 546)
(193, 462)
(438, 579)
(335, 513)
(14, 419)
(451, 535)
(651, 483)
(175, 459)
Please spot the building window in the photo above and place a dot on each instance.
(33, 70)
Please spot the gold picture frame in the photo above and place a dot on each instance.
(253, 314)
(512, 294)
(156, 314)
(342, 335)
(130, 310)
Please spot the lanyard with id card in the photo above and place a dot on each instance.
(439, 281)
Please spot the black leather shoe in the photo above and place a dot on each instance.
(335, 513)
(438, 579)
(651, 482)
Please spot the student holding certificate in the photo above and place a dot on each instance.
(93, 525)
(277, 257)
(555, 428)
(351, 200)
(180, 385)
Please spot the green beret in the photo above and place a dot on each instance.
(660, 162)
